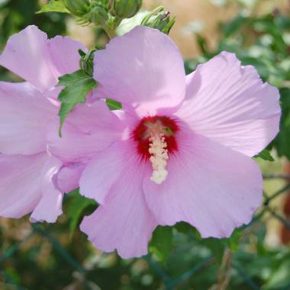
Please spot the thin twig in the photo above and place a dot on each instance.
(276, 194)
(277, 176)
(284, 221)
(258, 216)
(224, 272)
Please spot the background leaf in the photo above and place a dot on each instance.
(76, 208)
(161, 242)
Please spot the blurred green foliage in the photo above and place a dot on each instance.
(43, 257)
(16, 15)
(46, 257)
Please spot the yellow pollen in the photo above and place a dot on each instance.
(159, 156)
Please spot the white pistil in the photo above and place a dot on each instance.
(159, 156)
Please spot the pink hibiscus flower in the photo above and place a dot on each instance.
(184, 153)
(31, 179)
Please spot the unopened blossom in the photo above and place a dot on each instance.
(186, 144)
(31, 179)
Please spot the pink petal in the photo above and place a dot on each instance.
(123, 223)
(210, 186)
(68, 177)
(26, 185)
(24, 116)
(26, 55)
(104, 170)
(38, 60)
(64, 54)
(50, 204)
(230, 104)
(20, 178)
(52, 94)
(143, 67)
(88, 129)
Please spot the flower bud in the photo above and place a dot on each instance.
(98, 15)
(77, 7)
(159, 19)
(125, 8)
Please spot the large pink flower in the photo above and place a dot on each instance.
(186, 147)
(31, 179)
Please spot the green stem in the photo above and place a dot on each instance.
(224, 272)
(111, 26)
(110, 32)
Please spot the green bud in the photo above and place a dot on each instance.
(87, 61)
(159, 19)
(98, 15)
(77, 7)
(103, 3)
(125, 8)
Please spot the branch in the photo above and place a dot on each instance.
(279, 217)
(276, 194)
(224, 273)
(277, 176)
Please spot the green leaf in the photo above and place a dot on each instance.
(265, 155)
(280, 276)
(216, 246)
(77, 206)
(161, 243)
(53, 6)
(76, 87)
(187, 229)
(113, 105)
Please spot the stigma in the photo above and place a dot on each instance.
(155, 138)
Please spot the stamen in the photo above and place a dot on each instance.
(159, 156)
(155, 137)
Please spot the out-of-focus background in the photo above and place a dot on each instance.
(205, 16)
(58, 256)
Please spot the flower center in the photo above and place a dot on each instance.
(155, 137)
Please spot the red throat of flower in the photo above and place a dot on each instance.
(155, 138)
